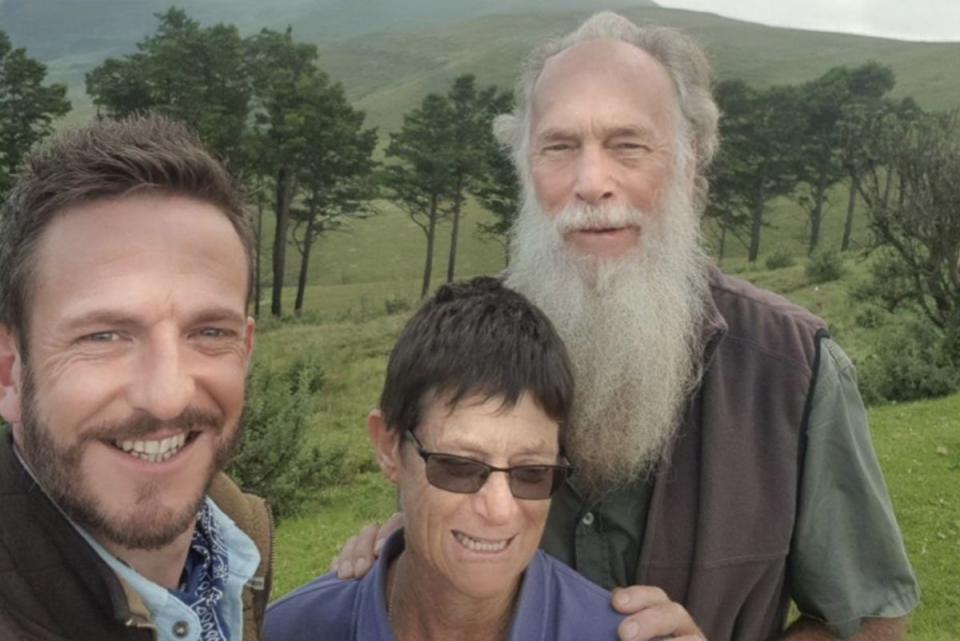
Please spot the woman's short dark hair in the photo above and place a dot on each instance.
(476, 339)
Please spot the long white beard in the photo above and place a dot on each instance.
(632, 326)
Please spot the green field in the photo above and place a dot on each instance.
(918, 444)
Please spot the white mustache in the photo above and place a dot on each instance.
(587, 218)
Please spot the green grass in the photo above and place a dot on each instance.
(919, 448)
(918, 444)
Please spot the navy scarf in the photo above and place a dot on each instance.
(204, 578)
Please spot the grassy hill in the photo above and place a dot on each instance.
(54, 28)
(388, 73)
(918, 444)
(389, 55)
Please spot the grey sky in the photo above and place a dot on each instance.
(903, 19)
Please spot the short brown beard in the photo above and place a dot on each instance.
(58, 471)
(633, 328)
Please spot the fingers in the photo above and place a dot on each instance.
(653, 616)
(637, 597)
(359, 552)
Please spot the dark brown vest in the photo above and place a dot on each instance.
(723, 509)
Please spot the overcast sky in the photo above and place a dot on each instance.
(903, 19)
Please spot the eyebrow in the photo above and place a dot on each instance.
(634, 129)
(218, 315)
(474, 448)
(556, 133)
(122, 319)
(629, 130)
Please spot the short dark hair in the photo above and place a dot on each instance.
(105, 160)
(476, 338)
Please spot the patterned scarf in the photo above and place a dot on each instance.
(204, 577)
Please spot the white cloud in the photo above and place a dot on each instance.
(917, 20)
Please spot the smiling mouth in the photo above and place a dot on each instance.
(156, 451)
(481, 545)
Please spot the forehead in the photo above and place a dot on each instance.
(478, 421)
(603, 82)
(129, 249)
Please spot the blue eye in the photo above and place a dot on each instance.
(213, 332)
(101, 337)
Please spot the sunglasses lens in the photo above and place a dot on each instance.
(456, 474)
(535, 482)
(465, 476)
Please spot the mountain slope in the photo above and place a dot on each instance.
(54, 28)
(388, 73)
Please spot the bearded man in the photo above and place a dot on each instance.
(721, 448)
(125, 272)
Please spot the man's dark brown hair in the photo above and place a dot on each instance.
(106, 160)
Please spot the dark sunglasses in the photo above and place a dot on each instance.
(466, 475)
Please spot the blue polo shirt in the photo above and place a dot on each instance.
(555, 604)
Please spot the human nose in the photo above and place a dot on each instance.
(594, 182)
(495, 501)
(161, 386)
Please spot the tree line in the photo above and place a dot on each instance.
(288, 133)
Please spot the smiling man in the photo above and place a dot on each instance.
(125, 262)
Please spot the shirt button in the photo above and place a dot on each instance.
(181, 629)
(587, 518)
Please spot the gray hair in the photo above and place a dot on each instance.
(684, 60)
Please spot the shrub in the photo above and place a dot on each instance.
(779, 259)
(910, 362)
(396, 304)
(888, 285)
(870, 316)
(273, 461)
(824, 266)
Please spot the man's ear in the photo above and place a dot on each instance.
(11, 377)
(386, 445)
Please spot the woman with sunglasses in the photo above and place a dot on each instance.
(470, 431)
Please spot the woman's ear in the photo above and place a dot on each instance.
(386, 445)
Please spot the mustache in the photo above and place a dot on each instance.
(579, 217)
(141, 425)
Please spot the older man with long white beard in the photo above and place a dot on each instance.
(721, 448)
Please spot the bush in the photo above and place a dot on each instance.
(888, 285)
(911, 362)
(272, 461)
(870, 316)
(396, 304)
(824, 266)
(779, 259)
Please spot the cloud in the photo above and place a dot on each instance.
(918, 20)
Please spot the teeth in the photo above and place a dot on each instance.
(478, 545)
(154, 451)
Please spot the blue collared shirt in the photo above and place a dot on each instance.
(555, 604)
(173, 618)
